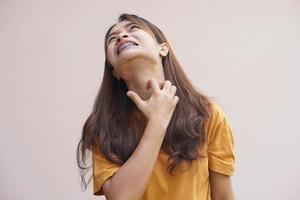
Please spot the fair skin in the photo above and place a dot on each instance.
(141, 69)
(221, 186)
(136, 65)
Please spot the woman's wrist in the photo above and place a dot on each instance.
(160, 124)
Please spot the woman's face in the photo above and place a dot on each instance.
(127, 42)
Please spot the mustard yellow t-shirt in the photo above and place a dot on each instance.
(190, 185)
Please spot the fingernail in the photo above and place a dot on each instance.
(148, 85)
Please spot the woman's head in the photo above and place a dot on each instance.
(134, 42)
(152, 55)
(112, 127)
(135, 52)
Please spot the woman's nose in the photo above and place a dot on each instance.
(122, 35)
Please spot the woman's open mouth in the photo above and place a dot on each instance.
(125, 46)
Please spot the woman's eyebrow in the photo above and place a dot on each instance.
(126, 25)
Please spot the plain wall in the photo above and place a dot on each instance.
(246, 54)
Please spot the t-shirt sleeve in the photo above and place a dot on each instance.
(102, 170)
(220, 143)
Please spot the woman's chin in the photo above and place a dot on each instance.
(135, 58)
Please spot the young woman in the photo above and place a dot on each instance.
(152, 134)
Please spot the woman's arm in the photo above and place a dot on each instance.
(131, 180)
(221, 187)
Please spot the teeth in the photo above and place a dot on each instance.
(125, 46)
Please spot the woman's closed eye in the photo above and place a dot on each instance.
(110, 39)
(134, 26)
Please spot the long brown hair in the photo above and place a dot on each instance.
(113, 129)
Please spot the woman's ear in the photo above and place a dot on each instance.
(115, 74)
(164, 49)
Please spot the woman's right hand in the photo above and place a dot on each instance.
(161, 104)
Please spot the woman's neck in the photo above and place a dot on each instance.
(137, 79)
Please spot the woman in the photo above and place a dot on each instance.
(152, 134)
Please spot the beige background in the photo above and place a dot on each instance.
(244, 53)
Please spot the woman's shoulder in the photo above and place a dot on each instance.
(216, 116)
(217, 112)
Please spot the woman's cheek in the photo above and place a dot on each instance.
(110, 53)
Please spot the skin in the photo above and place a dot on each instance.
(140, 67)
(221, 186)
(136, 66)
